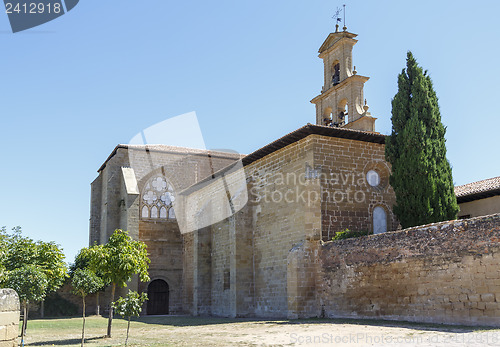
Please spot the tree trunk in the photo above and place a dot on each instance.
(110, 319)
(42, 309)
(128, 328)
(83, 327)
(25, 318)
(26, 321)
(98, 308)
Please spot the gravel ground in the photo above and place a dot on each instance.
(218, 332)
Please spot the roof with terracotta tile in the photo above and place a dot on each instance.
(292, 137)
(478, 190)
(312, 129)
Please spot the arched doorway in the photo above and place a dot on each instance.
(158, 297)
(379, 220)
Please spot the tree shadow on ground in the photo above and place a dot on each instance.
(391, 324)
(180, 321)
(64, 342)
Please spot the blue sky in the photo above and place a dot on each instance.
(74, 88)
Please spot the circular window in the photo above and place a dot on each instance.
(373, 178)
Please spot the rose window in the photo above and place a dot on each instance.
(157, 199)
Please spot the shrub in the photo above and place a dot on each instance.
(347, 234)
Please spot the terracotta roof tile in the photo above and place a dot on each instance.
(479, 189)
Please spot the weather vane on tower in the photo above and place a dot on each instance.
(337, 18)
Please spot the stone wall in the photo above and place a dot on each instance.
(348, 201)
(113, 208)
(9, 318)
(164, 245)
(285, 214)
(267, 251)
(116, 204)
(240, 262)
(440, 273)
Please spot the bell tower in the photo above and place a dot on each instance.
(341, 102)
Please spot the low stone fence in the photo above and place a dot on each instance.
(446, 272)
(9, 318)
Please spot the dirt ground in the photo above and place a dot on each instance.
(194, 331)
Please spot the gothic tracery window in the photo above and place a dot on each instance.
(157, 199)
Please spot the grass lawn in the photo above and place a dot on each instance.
(196, 331)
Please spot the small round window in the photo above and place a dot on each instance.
(373, 178)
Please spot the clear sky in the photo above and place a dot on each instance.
(74, 88)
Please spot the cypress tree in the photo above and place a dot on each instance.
(421, 174)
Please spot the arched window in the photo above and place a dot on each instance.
(343, 112)
(327, 116)
(157, 199)
(336, 73)
(379, 220)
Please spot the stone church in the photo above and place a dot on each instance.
(236, 236)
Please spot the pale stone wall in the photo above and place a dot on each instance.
(440, 273)
(337, 48)
(9, 317)
(480, 207)
(221, 298)
(350, 90)
(247, 252)
(286, 215)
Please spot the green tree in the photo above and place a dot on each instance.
(47, 256)
(50, 258)
(4, 248)
(82, 261)
(23, 254)
(31, 284)
(117, 261)
(130, 306)
(421, 174)
(85, 282)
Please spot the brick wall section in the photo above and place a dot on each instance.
(441, 273)
(350, 200)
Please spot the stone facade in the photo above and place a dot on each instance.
(299, 194)
(9, 318)
(116, 203)
(440, 273)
